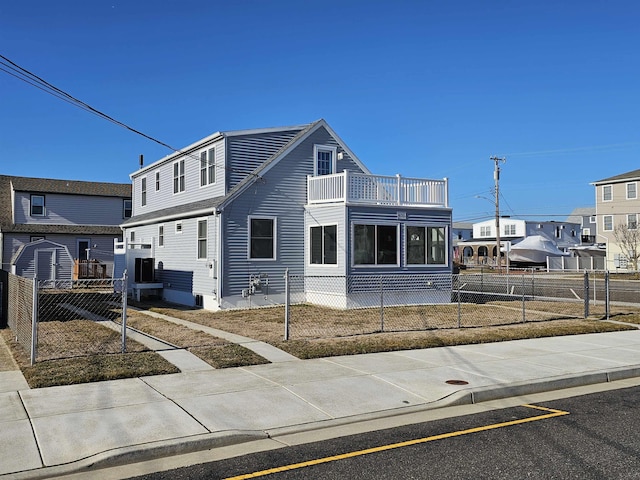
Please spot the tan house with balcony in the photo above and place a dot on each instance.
(617, 203)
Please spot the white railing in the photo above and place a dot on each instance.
(377, 189)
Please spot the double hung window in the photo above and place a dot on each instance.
(262, 238)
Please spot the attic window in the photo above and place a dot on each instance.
(325, 160)
(37, 205)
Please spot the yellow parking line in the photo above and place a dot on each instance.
(552, 413)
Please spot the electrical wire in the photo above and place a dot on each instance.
(15, 70)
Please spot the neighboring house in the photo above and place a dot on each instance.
(617, 203)
(44, 221)
(586, 217)
(481, 249)
(225, 217)
(461, 232)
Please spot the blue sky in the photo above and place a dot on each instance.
(422, 88)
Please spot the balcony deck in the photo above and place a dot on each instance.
(360, 188)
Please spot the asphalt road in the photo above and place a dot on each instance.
(595, 436)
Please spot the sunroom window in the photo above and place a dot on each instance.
(375, 244)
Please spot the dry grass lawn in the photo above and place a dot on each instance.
(92, 350)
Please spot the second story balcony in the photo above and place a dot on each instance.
(360, 188)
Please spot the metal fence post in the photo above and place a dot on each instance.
(34, 321)
(124, 311)
(524, 310)
(459, 308)
(586, 294)
(607, 292)
(381, 306)
(287, 302)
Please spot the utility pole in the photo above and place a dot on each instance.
(496, 178)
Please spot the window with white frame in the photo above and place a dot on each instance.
(426, 245)
(35, 238)
(207, 167)
(202, 239)
(632, 192)
(510, 229)
(375, 244)
(607, 223)
(37, 206)
(126, 208)
(325, 160)
(161, 235)
(178, 227)
(178, 176)
(157, 181)
(592, 219)
(485, 231)
(324, 245)
(132, 236)
(632, 221)
(607, 193)
(262, 238)
(143, 191)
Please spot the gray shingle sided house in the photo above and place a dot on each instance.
(46, 224)
(226, 216)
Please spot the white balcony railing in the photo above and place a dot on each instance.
(361, 188)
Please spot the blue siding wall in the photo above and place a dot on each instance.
(248, 152)
(283, 194)
(164, 197)
(176, 263)
(70, 210)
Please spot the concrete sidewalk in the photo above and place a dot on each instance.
(57, 430)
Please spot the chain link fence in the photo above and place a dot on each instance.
(19, 308)
(66, 319)
(334, 306)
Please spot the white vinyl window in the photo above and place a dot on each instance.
(262, 238)
(632, 221)
(202, 239)
(157, 181)
(207, 167)
(143, 191)
(607, 223)
(178, 176)
(632, 192)
(607, 193)
(324, 246)
(37, 206)
(426, 245)
(161, 235)
(178, 227)
(510, 229)
(485, 231)
(324, 160)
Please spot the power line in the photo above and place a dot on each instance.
(15, 70)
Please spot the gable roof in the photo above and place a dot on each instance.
(46, 185)
(208, 206)
(578, 213)
(283, 152)
(632, 175)
(214, 137)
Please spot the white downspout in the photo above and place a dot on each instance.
(218, 216)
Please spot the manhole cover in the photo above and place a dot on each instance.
(457, 382)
